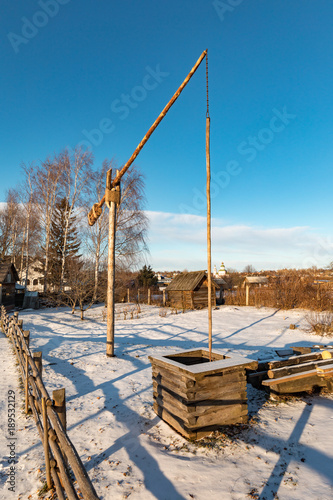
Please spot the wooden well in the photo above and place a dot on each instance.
(196, 396)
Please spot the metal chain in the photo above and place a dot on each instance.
(207, 112)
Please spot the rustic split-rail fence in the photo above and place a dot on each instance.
(64, 468)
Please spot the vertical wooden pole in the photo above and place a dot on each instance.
(37, 357)
(26, 384)
(111, 280)
(164, 301)
(149, 296)
(138, 295)
(26, 335)
(46, 445)
(59, 405)
(247, 288)
(209, 238)
(128, 295)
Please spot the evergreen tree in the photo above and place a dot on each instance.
(64, 244)
(146, 277)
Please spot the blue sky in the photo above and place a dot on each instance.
(102, 71)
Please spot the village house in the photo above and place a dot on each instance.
(189, 290)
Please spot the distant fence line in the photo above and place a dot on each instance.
(61, 458)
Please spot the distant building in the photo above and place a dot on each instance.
(190, 291)
(8, 279)
(221, 272)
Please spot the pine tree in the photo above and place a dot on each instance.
(64, 244)
(146, 277)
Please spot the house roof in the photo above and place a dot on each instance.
(188, 281)
(5, 267)
(256, 280)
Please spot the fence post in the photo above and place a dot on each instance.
(149, 296)
(26, 335)
(46, 445)
(164, 301)
(138, 295)
(128, 295)
(37, 357)
(59, 405)
(26, 383)
(247, 288)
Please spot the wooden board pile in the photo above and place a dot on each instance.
(196, 397)
(300, 373)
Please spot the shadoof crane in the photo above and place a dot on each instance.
(112, 200)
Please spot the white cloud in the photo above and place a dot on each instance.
(178, 241)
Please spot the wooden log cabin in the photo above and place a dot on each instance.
(190, 291)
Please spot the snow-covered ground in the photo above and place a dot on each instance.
(286, 452)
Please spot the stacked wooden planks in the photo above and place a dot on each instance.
(196, 398)
(300, 373)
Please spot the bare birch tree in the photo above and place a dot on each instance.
(46, 180)
(76, 166)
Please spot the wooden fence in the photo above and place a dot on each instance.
(64, 469)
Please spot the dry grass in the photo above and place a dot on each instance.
(320, 322)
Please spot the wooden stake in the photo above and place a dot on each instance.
(111, 279)
(209, 238)
(59, 405)
(149, 296)
(247, 289)
(164, 301)
(128, 295)
(26, 384)
(46, 445)
(37, 357)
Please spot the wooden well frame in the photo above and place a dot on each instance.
(196, 396)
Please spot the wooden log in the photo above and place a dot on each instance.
(26, 335)
(256, 378)
(36, 417)
(57, 484)
(149, 296)
(46, 445)
(164, 298)
(180, 380)
(174, 422)
(325, 370)
(293, 360)
(64, 473)
(298, 382)
(38, 360)
(128, 295)
(176, 411)
(26, 384)
(290, 370)
(35, 392)
(75, 462)
(59, 405)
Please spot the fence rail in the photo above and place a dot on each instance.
(64, 469)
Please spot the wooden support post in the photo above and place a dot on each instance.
(138, 295)
(164, 298)
(209, 251)
(37, 357)
(149, 296)
(26, 335)
(128, 295)
(26, 383)
(111, 277)
(247, 289)
(20, 323)
(46, 445)
(59, 405)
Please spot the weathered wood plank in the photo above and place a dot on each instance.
(303, 367)
(293, 360)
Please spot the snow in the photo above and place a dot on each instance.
(286, 451)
